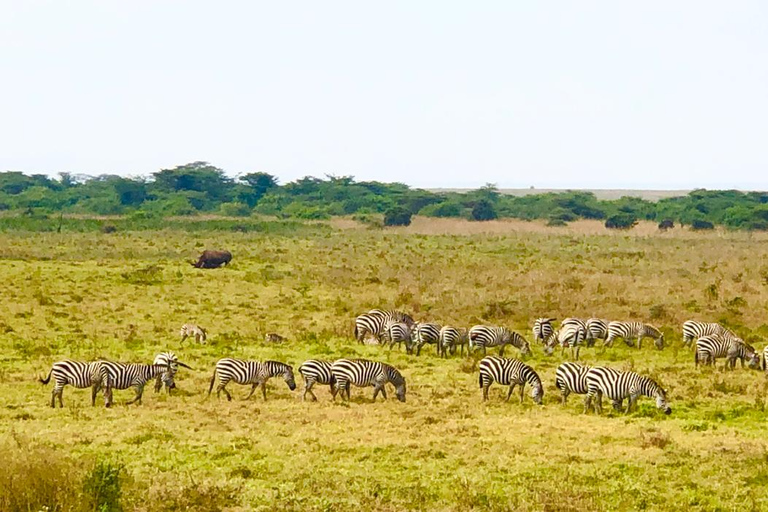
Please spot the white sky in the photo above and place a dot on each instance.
(652, 94)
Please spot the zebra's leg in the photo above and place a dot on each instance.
(308, 389)
(485, 391)
(221, 388)
(587, 402)
(264, 389)
(94, 391)
(564, 393)
(522, 392)
(609, 341)
(639, 342)
(57, 392)
(511, 389)
(253, 388)
(501, 350)
(139, 391)
(158, 384)
(599, 402)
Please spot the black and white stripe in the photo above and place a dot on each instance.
(597, 329)
(393, 315)
(363, 373)
(172, 361)
(255, 373)
(193, 331)
(712, 347)
(316, 371)
(484, 336)
(631, 331)
(80, 375)
(742, 351)
(426, 333)
(398, 332)
(509, 372)
(136, 376)
(542, 329)
(618, 385)
(693, 330)
(568, 335)
(571, 378)
(764, 359)
(369, 327)
(450, 338)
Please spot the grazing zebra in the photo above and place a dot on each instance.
(571, 378)
(80, 375)
(450, 337)
(597, 329)
(136, 375)
(273, 337)
(426, 333)
(509, 372)
(399, 332)
(193, 331)
(631, 331)
(484, 336)
(393, 314)
(741, 351)
(568, 335)
(362, 373)
(693, 330)
(169, 359)
(618, 385)
(369, 324)
(256, 373)
(764, 359)
(317, 371)
(542, 329)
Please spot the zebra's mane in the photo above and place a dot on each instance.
(393, 374)
(650, 387)
(652, 331)
(277, 367)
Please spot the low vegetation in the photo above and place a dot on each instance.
(85, 293)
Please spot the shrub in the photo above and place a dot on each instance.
(621, 221)
(701, 225)
(397, 216)
(102, 487)
(108, 228)
(235, 209)
(666, 224)
(484, 210)
(446, 209)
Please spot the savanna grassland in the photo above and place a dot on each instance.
(124, 295)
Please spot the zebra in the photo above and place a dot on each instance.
(393, 314)
(80, 375)
(399, 332)
(631, 331)
(169, 359)
(273, 337)
(693, 330)
(256, 373)
(484, 336)
(317, 371)
(764, 360)
(568, 335)
(597, 329)
(618, 385)
(369, 324)
(450, 337)
(571, 378)
(363, 372)
(426, 333)
(136, 375)
(542, 329)
(509, 372)
(710, 348)
(193, 331)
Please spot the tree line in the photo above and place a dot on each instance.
(200, 187)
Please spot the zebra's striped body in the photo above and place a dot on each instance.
(542, 329)
(712, 347)
(136, 375)
(741, 351)
(316, 371)
(764, 359)
(618, 385)
(255, 373)
(168, 359)
(509, 372)
(597, 329)
(79, 375)
(362, 373)
(193, 331)
(426, 333)
(393, 315)
(571, 378)
(568, 335)
(484, 336)
(450, 338)
(630, 331)
(368, 324)
(399, 332)
(693, 330)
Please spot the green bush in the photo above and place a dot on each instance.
(235, 209)
(446, 209)
(397, 216)
(102, 487)
(621, 221)
(701, 225)
(483, 210)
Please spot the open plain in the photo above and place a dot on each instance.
(84, 294)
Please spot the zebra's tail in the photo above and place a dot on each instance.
(357, 337)
(213, 379)
(47, 379)
(480, 381)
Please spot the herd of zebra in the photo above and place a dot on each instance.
(392, 327)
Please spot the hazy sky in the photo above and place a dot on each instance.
(431, 93)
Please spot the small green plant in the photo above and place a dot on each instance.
(102, 487)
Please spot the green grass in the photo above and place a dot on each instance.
(124, 296)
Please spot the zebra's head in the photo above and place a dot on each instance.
(551, 343)
(661, 401)
(660, 341)
(525, 347)
(169, 372)
(288, 376)
(400, 391)
(754, 359)
(537, 392)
